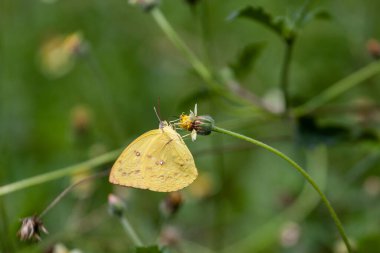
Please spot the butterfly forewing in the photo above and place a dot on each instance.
(158, 160)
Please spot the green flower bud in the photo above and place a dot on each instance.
(116, 206)
(203, 124)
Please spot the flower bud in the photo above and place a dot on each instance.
(115, 205)
(81, 120)
(373, 47)
(203, 124)
(171, 204)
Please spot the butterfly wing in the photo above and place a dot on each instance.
(158, 160)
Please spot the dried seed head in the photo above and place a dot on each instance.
(31, 228)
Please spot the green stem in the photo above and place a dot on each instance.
(199, 67)
(68, 189)
(130, 231)
(301, 171)
(267, 234)
(284, 78)
(77, 168)
(196, 63)
(338, 88)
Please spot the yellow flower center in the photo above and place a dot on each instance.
(186, 122)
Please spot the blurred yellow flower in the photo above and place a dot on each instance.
(81, 119)
(57, 55)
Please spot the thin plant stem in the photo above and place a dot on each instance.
(338, 88)
(307, 200)
(284, 77)
(301, 171)
(195, 62)
(130, 231)
(199, 67)
(68, 189)
(50, 176)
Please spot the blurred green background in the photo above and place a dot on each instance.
(59, 109)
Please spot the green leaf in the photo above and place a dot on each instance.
(149, 249)
(246, 59)
(279, 25)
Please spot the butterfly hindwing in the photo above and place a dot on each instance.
(158, 160)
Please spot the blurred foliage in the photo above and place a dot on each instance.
(278, 25)
(80, 78)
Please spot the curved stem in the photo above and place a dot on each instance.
(301, 171)
(130, 231)
(68, 189)
(77, 168)
(338, 88)
(266, 235)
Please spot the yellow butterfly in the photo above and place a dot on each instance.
(158, 160)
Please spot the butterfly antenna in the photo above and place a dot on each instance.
(158, 116)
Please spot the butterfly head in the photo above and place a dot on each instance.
(163, 124)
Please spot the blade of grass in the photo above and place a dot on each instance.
(338, 88)
(80, 167)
